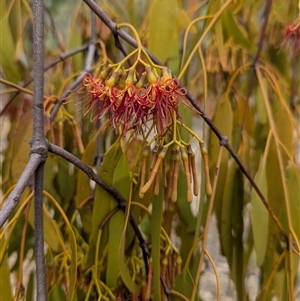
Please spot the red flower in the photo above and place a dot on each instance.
(132, 105)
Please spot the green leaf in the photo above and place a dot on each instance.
(122, 181)
(156, 223)
(293, 187)
(223, 57)
(21, 147)
(227, 212)
(162, 23)
(30, 289)
(223, 120)
(260, 106)
(102, 201)
(232, 30)
(285, 131)
(124, 271)
(65, 181)
(74, 41)
(5, 294)
(184, 21)
(232, 223)
(260, 217)
(57, 293)
(52, 234)
(183, 207)
(83, 189)
(183, 284)
(7, 62)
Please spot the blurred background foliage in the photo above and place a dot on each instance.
(211, 47)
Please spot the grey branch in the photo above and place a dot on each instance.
(14, 197)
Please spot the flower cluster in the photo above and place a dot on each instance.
(131, 99)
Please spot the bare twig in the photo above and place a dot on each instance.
(222, 138)
(39, 146)
(14, 197)
(112, 191)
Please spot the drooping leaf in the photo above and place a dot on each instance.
(285, 131)
(223, 120)
(121, 180)
(260, 106)
(5, 287)
(124, 271)
(226, 229)
(293, 187)
(7, 49)
(156, 223)
(259, 217)
(184, 21)
(183, 207)
(57, 293)
(52, 234)
(232, 224)
(30, 289)
(21, 147)
(162, 23)
(83, 189)
(232, 30)
(65, 181)
(102, 200)
(75, 40)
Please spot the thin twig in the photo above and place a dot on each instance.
(112, 191)
(222, 138)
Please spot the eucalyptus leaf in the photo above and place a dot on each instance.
(162, 23)
(259, 217)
